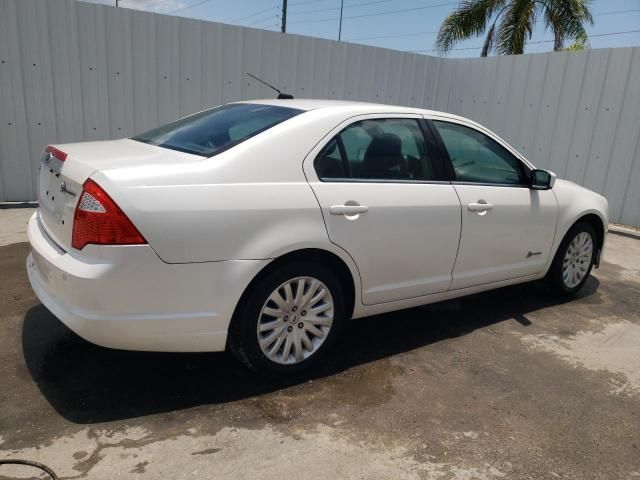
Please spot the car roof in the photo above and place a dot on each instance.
(349, 108)
(362, 107)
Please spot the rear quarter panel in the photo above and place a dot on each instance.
(250, 202)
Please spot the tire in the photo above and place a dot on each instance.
(559, 278)
(284, 324)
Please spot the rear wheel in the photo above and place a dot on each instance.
(574, 259)
(289, 319)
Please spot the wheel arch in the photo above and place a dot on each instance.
(333, 261)
(578, 204)
(592, 218)
(598, 225)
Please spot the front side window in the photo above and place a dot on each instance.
(377, 149)
(477, 158)
(213, 131)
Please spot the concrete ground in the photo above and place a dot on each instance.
(510, 384)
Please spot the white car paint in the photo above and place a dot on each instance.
(393, 243)
(481, 257)
(127, 297)
(212, 224)
(390, 243)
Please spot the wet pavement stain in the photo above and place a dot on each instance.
(207, 451)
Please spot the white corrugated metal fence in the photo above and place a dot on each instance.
(73, 71)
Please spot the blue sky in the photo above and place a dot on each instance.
(409, 25)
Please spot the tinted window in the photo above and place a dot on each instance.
(330, 163)
(478, 158)
(383, 149)
(212, 131)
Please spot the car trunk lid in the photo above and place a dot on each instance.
(65, 168)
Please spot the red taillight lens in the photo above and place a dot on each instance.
(100, 221)
(56, 152)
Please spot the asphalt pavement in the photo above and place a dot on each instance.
(513, 383)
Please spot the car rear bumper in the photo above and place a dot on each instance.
(125, 297)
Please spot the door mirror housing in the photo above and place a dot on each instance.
(541, 179)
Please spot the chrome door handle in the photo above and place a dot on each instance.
(479, 207)
(348, 209)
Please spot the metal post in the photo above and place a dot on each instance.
(284, 16)
(340, 27)
(116, 3)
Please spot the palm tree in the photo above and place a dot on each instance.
(510, 23)
(580, 43)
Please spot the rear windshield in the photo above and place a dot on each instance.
(213, 131)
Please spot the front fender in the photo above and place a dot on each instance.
(574, 203)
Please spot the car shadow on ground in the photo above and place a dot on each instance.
(89, 384)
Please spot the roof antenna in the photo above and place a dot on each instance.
(281, 96)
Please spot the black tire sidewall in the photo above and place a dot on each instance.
(243, 336)
(555, 273)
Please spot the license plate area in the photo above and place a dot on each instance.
(50, 195)
(42, 266)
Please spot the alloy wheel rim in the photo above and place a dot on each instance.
(577, 259)
(295, 320)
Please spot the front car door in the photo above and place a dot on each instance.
(507, 227)
(386, 201)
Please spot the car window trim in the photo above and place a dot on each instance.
(439, 166)
(489, 184)
(440, 151)
(343, 155)
(526, 169)
(383, 180)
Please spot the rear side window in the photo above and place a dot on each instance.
(213, 131)
(477, 158)
(377, 149)
(330, 163)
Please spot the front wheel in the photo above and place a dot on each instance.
(574, 260)
(289, 319)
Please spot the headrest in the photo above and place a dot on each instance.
(383, 153)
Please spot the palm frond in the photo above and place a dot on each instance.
(512, 23)
(468, 20)
(489, 40)
(566, 19)
(517, 26)
(580, 43)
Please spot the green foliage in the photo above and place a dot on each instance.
(580, 44)
(509, 23)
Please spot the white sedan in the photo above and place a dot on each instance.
(263, 226)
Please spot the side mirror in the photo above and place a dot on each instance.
(541, 179)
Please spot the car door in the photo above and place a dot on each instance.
(507, 227)
(385, 200)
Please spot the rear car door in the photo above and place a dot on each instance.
(386, 201)
(507, 227)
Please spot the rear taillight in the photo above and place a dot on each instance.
(98, 220)
(56, 152)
